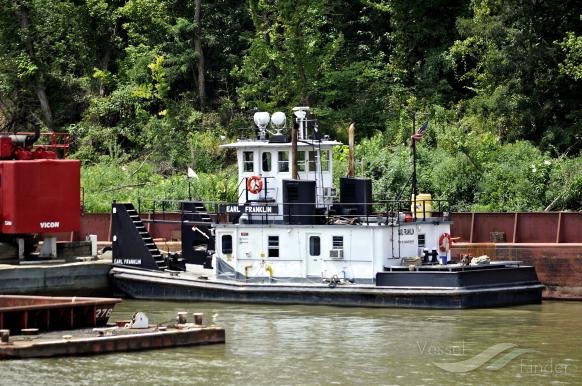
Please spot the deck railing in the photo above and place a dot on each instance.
(381, 212)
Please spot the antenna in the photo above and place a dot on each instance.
(301, 112)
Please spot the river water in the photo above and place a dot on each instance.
(312, 345)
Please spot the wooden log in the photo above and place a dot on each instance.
(351, 160)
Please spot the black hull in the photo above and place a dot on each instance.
(140, 284)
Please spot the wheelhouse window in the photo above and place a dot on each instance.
(301, 161)
(337, 242)
(325, 159)
(312, 161)
(248, 161)
(314, 246)
(273, 247)
(283, 161)
(226, 241)
(266, 161)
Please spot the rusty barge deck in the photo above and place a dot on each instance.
(93, 341)
(46, 313)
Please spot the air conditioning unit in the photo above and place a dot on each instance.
(329, 192)
(336, 253)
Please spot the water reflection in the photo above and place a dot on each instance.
(327, 345)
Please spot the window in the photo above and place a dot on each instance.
(338, 242)
(248, 161)
(267, 162)
(325, 160)
(300, 161)
(226, 241)
(314, 246)
(283, 161)
(273, 248)
(421, 241)
(312, 159)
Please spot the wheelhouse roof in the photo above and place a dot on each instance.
(267, 144)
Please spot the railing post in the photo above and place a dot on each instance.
(246, 190)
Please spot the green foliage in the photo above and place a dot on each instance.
(490, 177)
(513, 179)
(572, 64)
(294, 46)
(140, 184)
(508, 59)
(501, 81)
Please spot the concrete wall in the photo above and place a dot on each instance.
(72, 279)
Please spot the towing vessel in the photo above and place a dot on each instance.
(293, 238)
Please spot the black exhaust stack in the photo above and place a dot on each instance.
(31, 139)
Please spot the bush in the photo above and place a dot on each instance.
(139, 183)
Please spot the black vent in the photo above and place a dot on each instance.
(299, 202)
(356, 196)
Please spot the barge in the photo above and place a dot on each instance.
(291, 238)
(42, 326)
(46, 313)
(109, 340)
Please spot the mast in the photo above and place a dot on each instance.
(414, 184)
(294, 174)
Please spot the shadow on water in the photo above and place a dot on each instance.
(289, 345)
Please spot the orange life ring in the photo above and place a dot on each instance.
(445, 242)
(254, 184)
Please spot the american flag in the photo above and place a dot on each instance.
(420, 133)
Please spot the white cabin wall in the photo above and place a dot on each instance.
(289, 263)
(405, 239)
(359, 245)
(380, 248)
(408, 239)
(324, 179)
(432, 234)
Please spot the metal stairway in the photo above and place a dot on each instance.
(197, 238)
(131, 242)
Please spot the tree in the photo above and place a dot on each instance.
(294, 44)
(509, 61)
(44, 57)
(201, 80)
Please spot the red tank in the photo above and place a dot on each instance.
(38, 193)
(39, 196)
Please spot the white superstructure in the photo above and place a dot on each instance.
(263, 244)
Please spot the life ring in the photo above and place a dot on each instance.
(445, 242)
(254, 184)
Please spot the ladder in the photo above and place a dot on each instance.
(197, 239)
(132, 244)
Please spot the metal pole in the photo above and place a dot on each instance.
(414, 187)
(294, 173)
